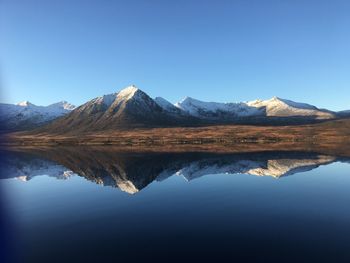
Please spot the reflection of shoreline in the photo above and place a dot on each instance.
(132, 171)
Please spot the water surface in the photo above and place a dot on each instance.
(101, 205)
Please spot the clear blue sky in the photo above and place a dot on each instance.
(211, 50)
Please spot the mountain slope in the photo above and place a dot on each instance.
(344, 113)
(26, 115)
(168, 107)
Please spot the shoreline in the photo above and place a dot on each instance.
(327, 136)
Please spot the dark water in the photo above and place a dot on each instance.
(100, 205)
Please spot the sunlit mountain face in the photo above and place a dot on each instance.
(131, 171)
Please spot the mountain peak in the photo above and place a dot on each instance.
(187, 98)
(63, 105)
(25, 103)
(276, 98)
(128, 91)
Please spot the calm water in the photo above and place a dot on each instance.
(99, 205)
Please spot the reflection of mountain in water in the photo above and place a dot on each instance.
(131, 172)
(24, 167)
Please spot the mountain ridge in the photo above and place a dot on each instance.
(26, 115)
(132, 107)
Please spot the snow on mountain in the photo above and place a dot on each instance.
(62, 106)
(117, 101)
(28, 115)
(278, 107)
(25, 103)
(132, 107)
(109, 99)
(135, 100)
(215, 110)
(164, 103)
(168, 107)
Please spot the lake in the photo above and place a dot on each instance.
(87, 204)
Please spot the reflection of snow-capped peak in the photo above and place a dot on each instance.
(201, 168)
(25, 171)
(23, 178)
(283, 167)
(127, 186)
(275, 168)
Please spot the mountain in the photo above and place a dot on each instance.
(278, 107)
(275, 107)
(26, 115)
(131, 107)
(128, 108)
(217, 111)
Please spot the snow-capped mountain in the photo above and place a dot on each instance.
(129, 99)
(275, 107)
(278, 107)
(25, 115)
(131, 107)
(215, 110)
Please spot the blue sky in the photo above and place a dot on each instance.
(210, 50)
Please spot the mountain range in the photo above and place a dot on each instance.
(25, 115)
(131, 107)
